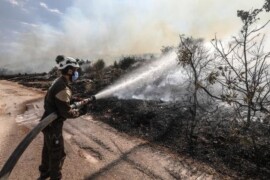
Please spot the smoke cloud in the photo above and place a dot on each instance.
(108, 29)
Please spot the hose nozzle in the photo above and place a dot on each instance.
(93, 98)
(83, 102)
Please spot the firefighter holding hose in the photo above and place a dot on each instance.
(58, 100)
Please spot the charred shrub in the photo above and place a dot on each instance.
(149, 119)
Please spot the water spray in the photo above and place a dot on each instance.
(141, 76)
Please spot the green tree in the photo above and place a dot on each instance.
(99, 65)
(166, 49)
(98, 68)
(126, 62)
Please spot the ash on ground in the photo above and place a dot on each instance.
(225, 145)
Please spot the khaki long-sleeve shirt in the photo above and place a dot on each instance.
(57, 100)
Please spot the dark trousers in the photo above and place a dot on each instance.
(53, 155)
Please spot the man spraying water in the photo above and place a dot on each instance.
(57, 110)
(58, 100)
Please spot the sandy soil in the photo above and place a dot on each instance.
(13, 98)
(94, 149)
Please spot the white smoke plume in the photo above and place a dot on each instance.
(160, 79)
(108, 29)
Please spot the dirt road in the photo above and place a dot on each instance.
(94, 149)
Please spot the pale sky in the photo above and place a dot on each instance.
(33, 32)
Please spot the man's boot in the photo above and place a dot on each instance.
(44, 176)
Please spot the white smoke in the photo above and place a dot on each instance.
(161, 79)
(107, 29)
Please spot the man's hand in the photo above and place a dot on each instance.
(84, 102)
(75, 113)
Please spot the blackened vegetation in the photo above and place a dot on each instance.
(149, 119)
(223, 143)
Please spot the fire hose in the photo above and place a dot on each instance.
(15, 156)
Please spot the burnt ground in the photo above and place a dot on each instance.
(226, 146)
(222, 143)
